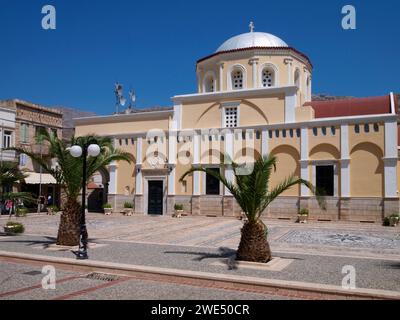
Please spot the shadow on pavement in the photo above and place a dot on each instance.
(225, 254)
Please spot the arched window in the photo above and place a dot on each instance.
(209, 84)
(237, 79)
(297, 78)
(268, 77)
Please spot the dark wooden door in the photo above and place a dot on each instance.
(155, 205)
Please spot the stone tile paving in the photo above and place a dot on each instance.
(371, 273)
(74, 285)
(358, 239)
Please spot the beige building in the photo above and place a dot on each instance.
(7, 132)
(30, 119)
(254, 98)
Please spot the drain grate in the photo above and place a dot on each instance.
(102, 276)
(32, 273)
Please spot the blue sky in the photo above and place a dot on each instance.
(152, 46)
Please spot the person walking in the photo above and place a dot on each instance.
(49, 200)
(9, 206)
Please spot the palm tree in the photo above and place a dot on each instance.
(9, 175)
(68, 174)
(253, 194)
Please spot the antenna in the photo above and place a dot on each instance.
(132, 96)
(120, 100)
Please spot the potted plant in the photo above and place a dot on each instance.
(21, 212)
(303, 215)
(52, 210)
(178, 208)
(12, 228)
(128, 208)
(107, 209)
(394, 220)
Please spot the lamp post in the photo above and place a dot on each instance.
(92, 149)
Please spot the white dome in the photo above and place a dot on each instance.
(252, 39)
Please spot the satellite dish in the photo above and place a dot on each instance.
(123, 101)
(118, 89)
(132, 95)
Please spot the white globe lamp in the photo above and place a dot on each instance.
(94, 150)
(76, 151)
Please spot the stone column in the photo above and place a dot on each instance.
(289, 63)
(112, 187)
(172, 143)
(254, 63)
(304, 168)
(391, 203)
(304, 171)
(139, 207)
(221, 76)
(196, 162)
(264, 143)
(344, 162)
(229, 174)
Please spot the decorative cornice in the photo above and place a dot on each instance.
(271, 49)
(288, 60)
(123, 117)
(234, 94)
(279, 126)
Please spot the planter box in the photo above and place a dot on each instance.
(9, 230)
(393, 221)
(127, 211)
(302, 218)
(108, 211)
(51, 212)
(177, 214)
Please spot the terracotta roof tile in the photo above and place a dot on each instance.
(351, 107)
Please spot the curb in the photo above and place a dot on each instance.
(295, 289)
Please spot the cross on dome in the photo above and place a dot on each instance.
(251, 26)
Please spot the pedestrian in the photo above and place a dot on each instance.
(49, 200)
(41, 202)
(9, 206)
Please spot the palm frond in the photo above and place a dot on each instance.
(251, 191)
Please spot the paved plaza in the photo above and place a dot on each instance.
(330, 238)
(310, 253)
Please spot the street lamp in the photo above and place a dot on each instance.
(89, 149)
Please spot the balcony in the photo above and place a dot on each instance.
(7, 155)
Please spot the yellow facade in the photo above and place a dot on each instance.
(268, 112)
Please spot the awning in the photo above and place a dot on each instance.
(37, 178)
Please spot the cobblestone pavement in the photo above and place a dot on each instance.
(330, 238)
(23, 282)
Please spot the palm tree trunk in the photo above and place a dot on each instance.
(254, 246)
(69, 229)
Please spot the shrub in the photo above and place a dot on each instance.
(14, 227)
(128, 205)
(178, 206)
(395, 216)
(304, 212)
(107, 206)
(53, 208)
(21, 212)
(386, 222)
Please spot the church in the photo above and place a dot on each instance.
(254, 98)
